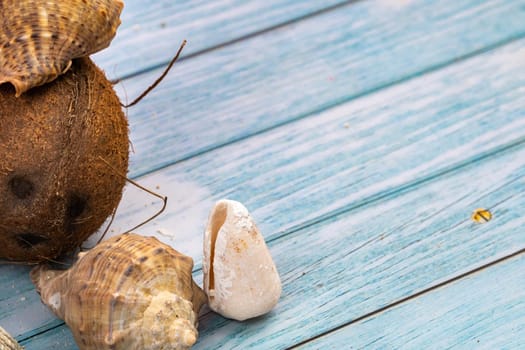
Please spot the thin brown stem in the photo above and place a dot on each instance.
(134, 183)
(106, 230)
(159, 79)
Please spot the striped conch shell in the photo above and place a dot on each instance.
(128, 293)
(39, 38)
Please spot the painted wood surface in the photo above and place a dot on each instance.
(347, 163)
(360, 261)
(365, 259)
(502, 54)
(152, 30)
(346, 156)
(482, 311)
(308, 171)
(272, 79)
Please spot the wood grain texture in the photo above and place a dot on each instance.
(20, 311)
(151, 31)
(54, 339)
(284, 75)
(311, 170)
(300, 179)
(368, 258)
(482, 311)
(363, 260)
(347, 156)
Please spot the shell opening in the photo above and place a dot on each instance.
(17, 84)
(218, 218)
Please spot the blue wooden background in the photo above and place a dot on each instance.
(361, 135)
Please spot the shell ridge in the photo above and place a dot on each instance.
(47, 35)
(131, 292)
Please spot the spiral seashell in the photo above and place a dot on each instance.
(39, 38)
(128, 293)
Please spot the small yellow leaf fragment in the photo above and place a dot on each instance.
(481, 215)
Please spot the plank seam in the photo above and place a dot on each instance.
(374, 198)
(281, 25)
(407, 187)
(25, 339)
(410, 186)
(339, 102)
(413, 296)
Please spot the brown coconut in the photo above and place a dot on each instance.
(56, 187)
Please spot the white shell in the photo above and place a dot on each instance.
(240, 277)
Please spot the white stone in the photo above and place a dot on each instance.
(240, 277)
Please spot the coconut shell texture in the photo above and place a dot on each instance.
(39, 38)
(128, 293)
(57, 140)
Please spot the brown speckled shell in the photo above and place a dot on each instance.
(39, 38)
(129, 292)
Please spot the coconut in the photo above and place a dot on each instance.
(64, 156)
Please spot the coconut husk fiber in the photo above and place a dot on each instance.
(56, 141)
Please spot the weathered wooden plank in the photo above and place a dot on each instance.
(346, 156)
(151, 31)
(20, 313)
(286, 74)
(10, 273)
(363, 260)
(483, 311)
(310, 170)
